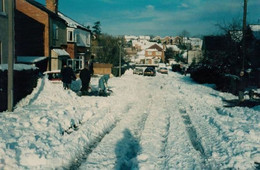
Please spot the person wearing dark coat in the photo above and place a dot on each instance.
(241, 86)
(91, 67)
(85, 76)
(67, 75)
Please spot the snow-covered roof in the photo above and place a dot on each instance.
(18, 67)
(174, 47)
(255, 27)
(256, 31)
(30, 59)
(61, 52)
(70, 22)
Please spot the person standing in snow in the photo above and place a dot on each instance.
(102, 84)
(85, 76)
(241, 86)
(91, 62)
(67, 75)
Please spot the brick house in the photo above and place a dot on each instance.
(78, 42)
(154, 54)
(38, 30)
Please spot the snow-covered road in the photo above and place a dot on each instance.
(162, 122)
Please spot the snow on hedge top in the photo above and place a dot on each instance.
(18, 67)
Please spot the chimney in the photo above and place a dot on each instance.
(52, 5)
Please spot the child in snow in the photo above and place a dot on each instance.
(102, 84)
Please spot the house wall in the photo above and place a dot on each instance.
(194, 55)
(159, 54)
(4, 34)
(28, 36)
(58, 36)
(38, 15)
(71, 49)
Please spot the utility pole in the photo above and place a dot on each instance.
(244, 34)
(10, 54)
(119, 43)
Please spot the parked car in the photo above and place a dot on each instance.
(138, 71)
(54, 76)
(163, 70)
(149, 71)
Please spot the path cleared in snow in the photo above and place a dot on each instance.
(162, 122)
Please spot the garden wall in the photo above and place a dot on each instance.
(25, 80)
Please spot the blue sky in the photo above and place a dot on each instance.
(158, 17)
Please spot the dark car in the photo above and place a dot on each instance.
(149, 71)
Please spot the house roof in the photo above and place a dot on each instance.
(174, 47)
(256, 31)
(60, 52)
(71, 23)
(30, 59)
(155, 46)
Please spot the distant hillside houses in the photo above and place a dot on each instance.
(132, 37)
(142, 49)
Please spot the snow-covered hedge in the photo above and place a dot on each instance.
(25, 80)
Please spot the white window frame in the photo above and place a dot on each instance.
(77, 64)
(158, 53)
(70, 35)
(150, 53)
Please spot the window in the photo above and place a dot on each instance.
(88, 39)
(150, 53)
(78, 38)
(158, 53)
(70, 36)
(2, 6)
(55, 32)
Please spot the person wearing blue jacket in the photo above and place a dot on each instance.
(102, 84)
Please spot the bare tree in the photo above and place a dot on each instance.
(185, 33)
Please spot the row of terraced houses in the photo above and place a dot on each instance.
(44, 36)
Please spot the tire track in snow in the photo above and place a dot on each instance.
(154, 139)
(95, 142)
(88, 149)
(184, 151)
(194, 138)
(105, 156)
(206, 139)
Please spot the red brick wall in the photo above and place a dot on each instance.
(52, 5)
(38, 15)
(71, 49)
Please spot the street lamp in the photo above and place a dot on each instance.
(119, 43)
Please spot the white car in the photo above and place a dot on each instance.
(163, 70)
(138, 71)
